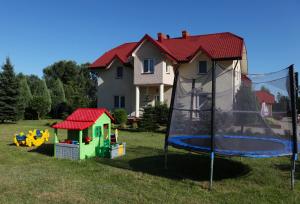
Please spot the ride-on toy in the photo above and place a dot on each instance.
(34, 137)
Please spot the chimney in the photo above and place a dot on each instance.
(185, 34)
(161, 37)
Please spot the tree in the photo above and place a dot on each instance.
(33, 81)
(64, 70)
(162, 113)
(263, 88)
(57, 92)
(8, 93)
(25, 96)
(78, 82)
(40, 105)
(41, 101)
(149, 120)
(58, 107)
(245, 100)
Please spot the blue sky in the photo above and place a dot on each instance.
(35, 33)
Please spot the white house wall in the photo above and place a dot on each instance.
(112, 86)
(148, 50)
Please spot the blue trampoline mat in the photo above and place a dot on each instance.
(245, 146)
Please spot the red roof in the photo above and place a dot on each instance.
(246, 80)
(216, 46)
(265, 96)
(82, 118)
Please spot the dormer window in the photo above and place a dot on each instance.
(148, 66)
(119, 74)
(202, 67)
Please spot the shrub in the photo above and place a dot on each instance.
(162, 113)
(120, 116)
(149, 120)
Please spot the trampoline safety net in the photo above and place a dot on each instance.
(253, 113)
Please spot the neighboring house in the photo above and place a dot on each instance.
(141, 73)
(267, 98)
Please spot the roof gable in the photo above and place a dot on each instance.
(120, 52)
(87, 114)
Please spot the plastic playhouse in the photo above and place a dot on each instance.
(33, 138)
(88, 135)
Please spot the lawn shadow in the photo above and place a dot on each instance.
(287, 168)
(45, 149)
(180, 166)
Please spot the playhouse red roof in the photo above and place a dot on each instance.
(264, 96)
(216, 46)
(82, 118)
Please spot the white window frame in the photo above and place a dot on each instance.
(148, 64)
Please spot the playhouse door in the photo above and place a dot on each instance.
(98, 131)
(98, 134)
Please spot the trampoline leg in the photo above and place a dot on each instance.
(211, 169)
(293, 167)
(166, 157)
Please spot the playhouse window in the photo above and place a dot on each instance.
(119, 74)
(148, 66)
(202, 67)
(119, 101)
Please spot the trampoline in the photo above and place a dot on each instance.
(251, 115)
(244, 146)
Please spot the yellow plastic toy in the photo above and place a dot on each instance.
(33, 138)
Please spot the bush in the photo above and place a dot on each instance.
(120, 116)
(149, 120)
(162, 113)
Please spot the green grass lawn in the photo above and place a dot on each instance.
(30, 175)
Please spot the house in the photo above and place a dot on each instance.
(264, 96)
(88, 134)
(141, 73)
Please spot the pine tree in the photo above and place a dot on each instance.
(25, 96)
(41, 101)
(8, 93)
(57, 92)
(149, 120)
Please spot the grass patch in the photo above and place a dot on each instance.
(32, 175)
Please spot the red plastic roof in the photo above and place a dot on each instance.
(264, 96)
(216, 46)
(82, 118)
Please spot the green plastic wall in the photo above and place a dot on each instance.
(97, 146)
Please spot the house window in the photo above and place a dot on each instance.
(119, 74)
(119, 101)
(202, 67)
(168, 69)
(148, 66)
